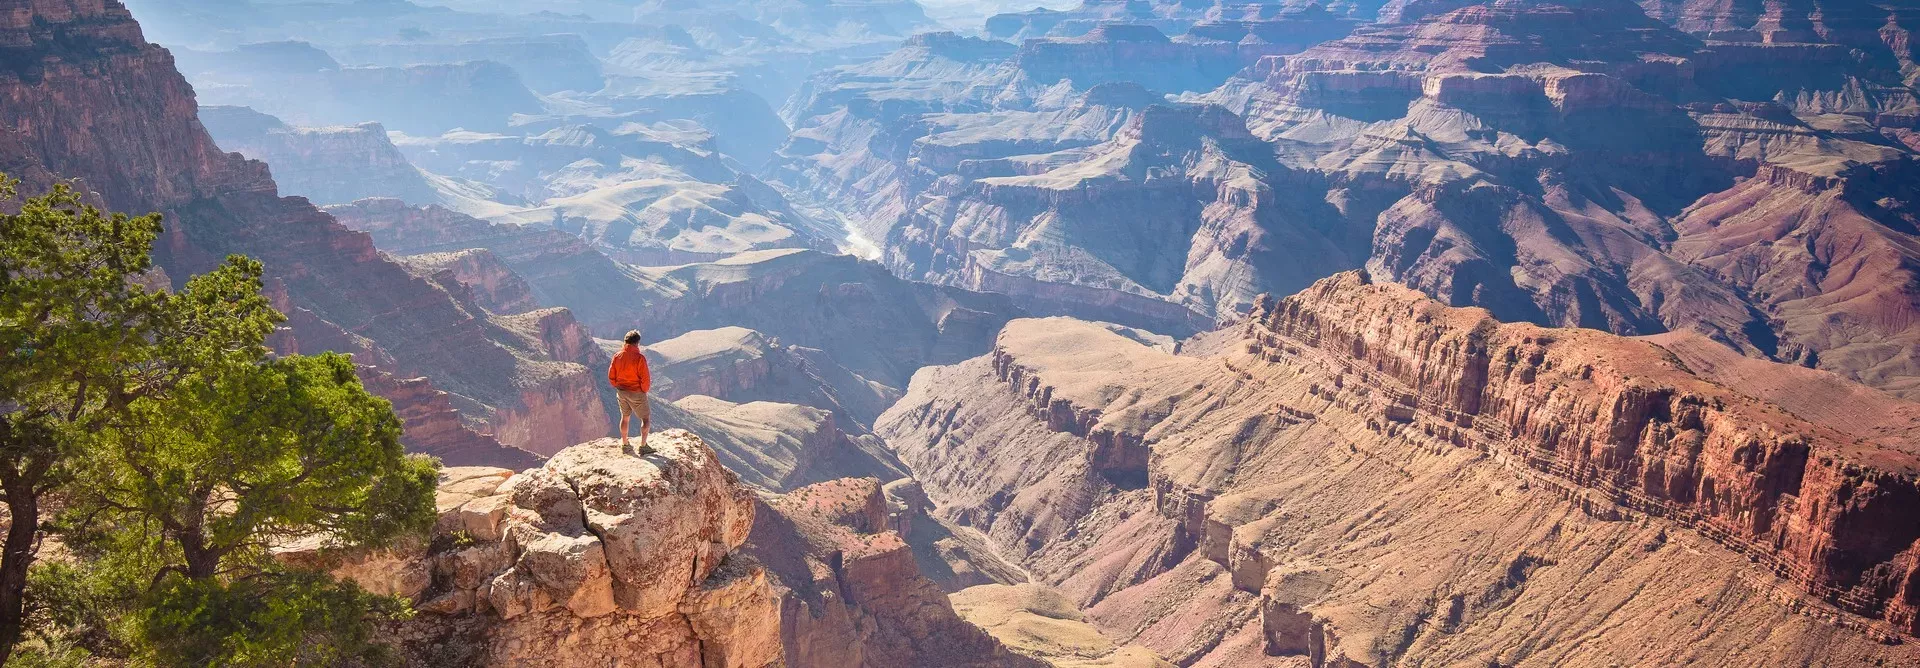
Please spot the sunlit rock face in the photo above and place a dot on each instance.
(140, 147)
(663, 560)
(1559, 163)
(1205, 504)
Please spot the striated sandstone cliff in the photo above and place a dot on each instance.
(495, 287)
(140, 147)
(1815, 504)
(850, 591)
(1361, 476)
(1181, 216)
(598, 558)
(1581, 164)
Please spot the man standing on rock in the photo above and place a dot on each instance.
(630, 377)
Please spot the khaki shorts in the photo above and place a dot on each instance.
(635, 404)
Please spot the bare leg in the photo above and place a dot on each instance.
(624, 418)
(646, 425)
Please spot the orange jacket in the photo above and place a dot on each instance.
(629, 371)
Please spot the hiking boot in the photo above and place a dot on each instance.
(645, 450)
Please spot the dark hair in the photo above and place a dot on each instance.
(633, 337)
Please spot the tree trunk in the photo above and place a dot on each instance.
(202, 563)
(23, 501)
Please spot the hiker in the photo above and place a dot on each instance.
(630, 377)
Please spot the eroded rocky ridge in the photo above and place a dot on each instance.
(1359, 474)
(741, 365)
(547, 63)
(905, 141)
(780, 446)
(139, 147)
(666, 560)
(1878, 27)
(850, 590)
(558, 268)
(303, 84)
(1569, 164)
(643, 194)
(871, 323)
(1583, 164)
(1211, 218)
(327, 165)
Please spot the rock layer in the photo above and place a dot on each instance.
(139, 147)
(1821, 509)
(1361, 476)
(851, 593)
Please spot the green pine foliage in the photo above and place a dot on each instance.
(242, 458)
(180, 454)
(291, 619)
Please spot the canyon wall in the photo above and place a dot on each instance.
(1575, 164)
(1821, 507)
(1358, 475)
(139, 147)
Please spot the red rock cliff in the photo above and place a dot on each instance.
(83, 96)
(1623, 418)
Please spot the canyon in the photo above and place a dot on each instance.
(1362, 476)
(140, 147)
(1194, 333)
(1574, 164)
